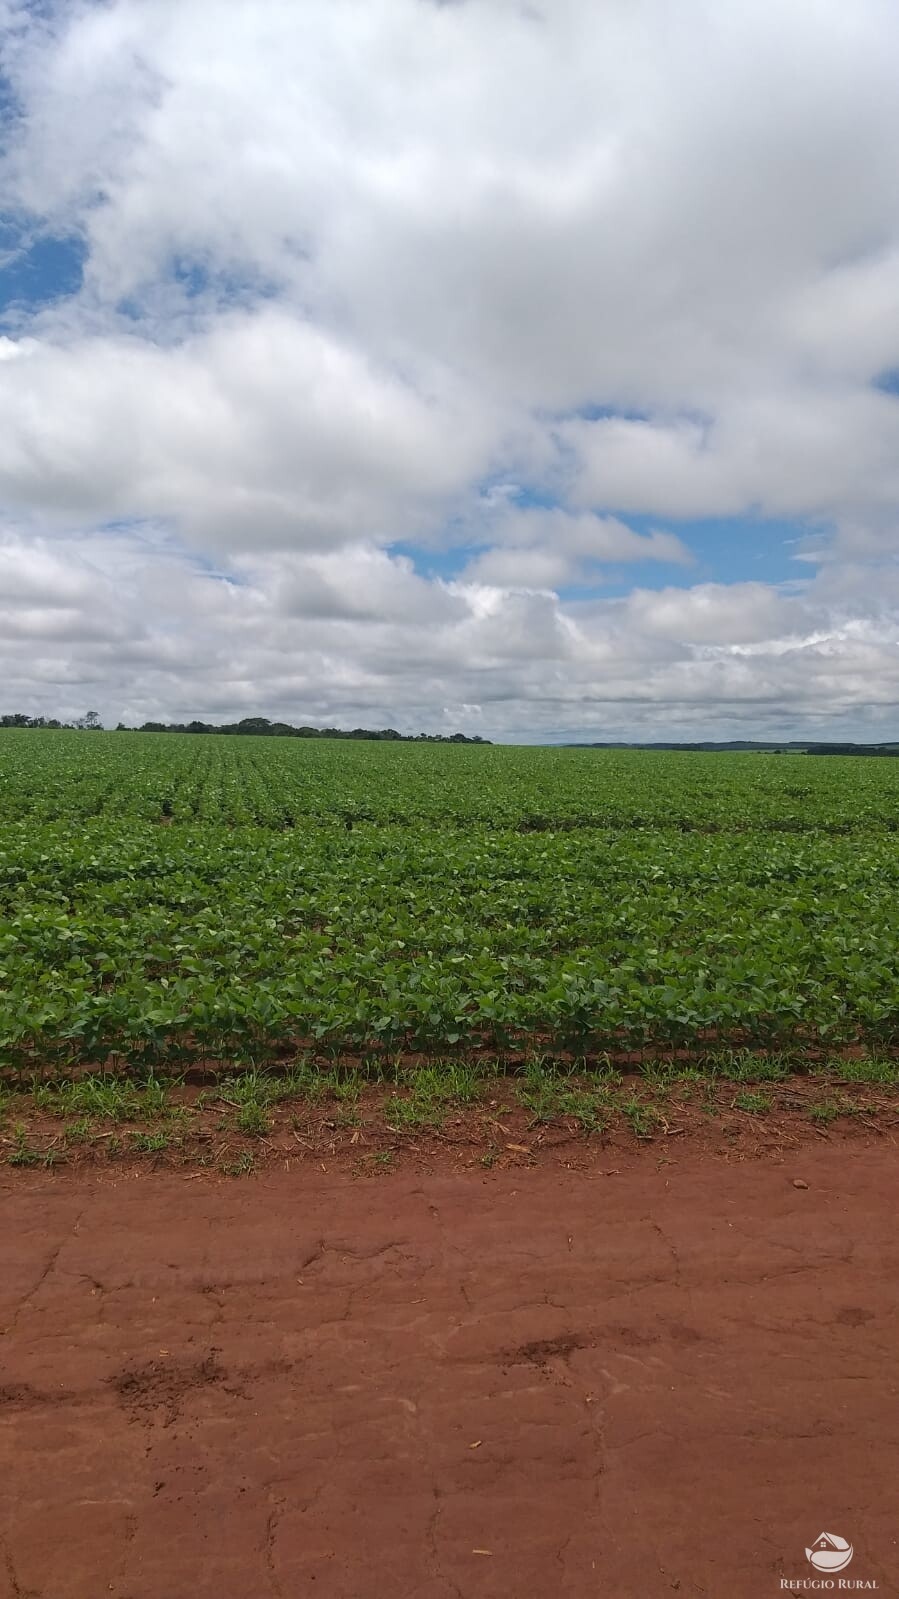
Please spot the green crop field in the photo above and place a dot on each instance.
(176, 899)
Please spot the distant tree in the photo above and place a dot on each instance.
(90, 723)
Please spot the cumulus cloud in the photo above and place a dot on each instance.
(263, 429)
(404, 326)
(133, 625)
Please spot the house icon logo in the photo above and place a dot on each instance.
(829, 1552)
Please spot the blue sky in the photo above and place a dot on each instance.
(388, 398)
(35, 271)
(724, 550)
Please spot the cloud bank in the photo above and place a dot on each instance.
(526, 368)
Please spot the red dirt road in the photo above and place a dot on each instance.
(510, 1385)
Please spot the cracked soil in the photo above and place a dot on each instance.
(509, 1384)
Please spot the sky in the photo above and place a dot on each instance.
(522, 367)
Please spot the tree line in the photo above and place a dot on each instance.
(257, 726)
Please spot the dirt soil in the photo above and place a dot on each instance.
(663, 1375)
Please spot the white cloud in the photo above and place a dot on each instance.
(263, 430)
(719, 614)
(536, 547)
(363, 272)
(833, 453)
(131, 626)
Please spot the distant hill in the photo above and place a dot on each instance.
(750, 746)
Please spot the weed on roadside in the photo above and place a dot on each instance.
(104, 1097)
(241, 1167)
(825, 1111)
(150, 1143)
(867, 1070)
(80, 1131)
(252, 1119)
(754, 1104)
(24, 1154)
(645, 1120)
